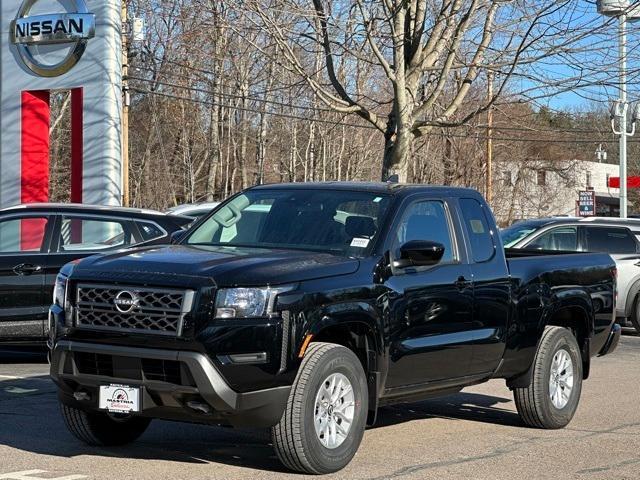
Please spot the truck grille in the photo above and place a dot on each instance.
(129, 368)
(133, 309)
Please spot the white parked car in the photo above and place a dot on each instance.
(620, 238)
(194, 210)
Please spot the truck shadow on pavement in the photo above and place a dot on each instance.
(31, 423)
(473, 407)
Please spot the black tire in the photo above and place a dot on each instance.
(534, 402)
(635, 316)
(294, 437)
(98, 429)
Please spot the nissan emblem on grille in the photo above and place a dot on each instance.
(132, 309)
(126, 301)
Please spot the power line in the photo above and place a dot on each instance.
(320, 109)
(371, 127)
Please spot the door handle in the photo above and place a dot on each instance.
(462, 283)
(26, 269)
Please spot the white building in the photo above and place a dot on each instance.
(536, 189)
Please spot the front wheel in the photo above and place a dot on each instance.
(323, 424)
(552, 398)
(100, 429)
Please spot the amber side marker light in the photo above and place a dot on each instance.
(304, 346)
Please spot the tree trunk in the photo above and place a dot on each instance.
(396, 156)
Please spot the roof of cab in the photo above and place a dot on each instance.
(374, 187)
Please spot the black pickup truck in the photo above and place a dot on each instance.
(306, 307)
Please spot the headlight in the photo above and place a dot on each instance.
(61, 297)
(60, 291)
(247, 302)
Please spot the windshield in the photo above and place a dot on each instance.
(515, 233)
(335, 221)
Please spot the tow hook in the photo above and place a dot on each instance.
(81, 396)
(199, 407)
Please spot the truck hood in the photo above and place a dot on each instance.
(226, 266)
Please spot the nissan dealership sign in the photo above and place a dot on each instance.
(74, 28)
(47, 48)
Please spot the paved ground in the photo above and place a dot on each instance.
(475, 434)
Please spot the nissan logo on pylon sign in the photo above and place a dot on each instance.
(74, 28)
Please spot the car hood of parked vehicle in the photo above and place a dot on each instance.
(226, 266)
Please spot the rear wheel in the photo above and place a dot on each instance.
(635, 317)
(552, 398)
(102, 429)
(323, 424)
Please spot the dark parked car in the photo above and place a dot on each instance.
(37, 239)
(305, 307)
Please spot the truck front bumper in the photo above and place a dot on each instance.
(612, 341)
(175, 385)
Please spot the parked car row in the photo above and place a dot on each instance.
(620, 238)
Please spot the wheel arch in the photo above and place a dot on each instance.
(360, 335)
(630, 299)
(573, 313)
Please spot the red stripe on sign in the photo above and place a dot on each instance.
(77, 125)
(34, 161)
(632, 182)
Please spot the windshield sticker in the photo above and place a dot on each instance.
(360, 242)
(377, 200)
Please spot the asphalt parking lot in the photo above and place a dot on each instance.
(475, 434)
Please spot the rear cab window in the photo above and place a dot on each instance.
(477, 227)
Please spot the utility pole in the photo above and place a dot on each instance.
(489, 162)
(125, 105)
(625, 11)
(623, 117)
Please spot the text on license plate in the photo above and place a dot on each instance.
(119, 398)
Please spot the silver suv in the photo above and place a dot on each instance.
(620, 238)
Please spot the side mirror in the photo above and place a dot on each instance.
(419, 253)
(177, 236)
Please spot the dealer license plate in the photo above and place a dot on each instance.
(119, 398)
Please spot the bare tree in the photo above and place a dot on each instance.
(427, 56)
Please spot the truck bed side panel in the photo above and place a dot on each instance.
(542, 285)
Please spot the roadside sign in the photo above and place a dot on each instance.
(586, 203)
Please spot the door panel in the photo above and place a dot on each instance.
(491, 287)
(430, 311)
(23, 307)
(431, 331)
